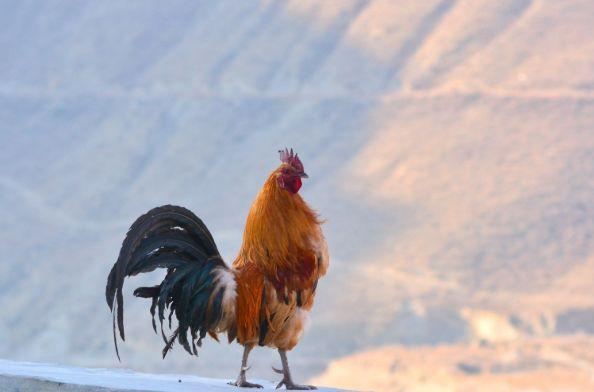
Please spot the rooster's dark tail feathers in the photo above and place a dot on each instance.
(198, 288)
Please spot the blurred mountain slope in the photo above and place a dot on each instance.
(450, 145)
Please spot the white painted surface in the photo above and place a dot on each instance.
(122, 379)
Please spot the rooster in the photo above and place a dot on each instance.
(265, 296)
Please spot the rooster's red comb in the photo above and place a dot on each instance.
(287, 156)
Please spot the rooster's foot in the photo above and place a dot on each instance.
(241, 379)
(289, 384)
(245, 384)
(295, 387)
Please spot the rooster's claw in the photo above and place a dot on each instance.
(277, 370)
(295, 387)
(244, 384)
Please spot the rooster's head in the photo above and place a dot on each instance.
(290, 172)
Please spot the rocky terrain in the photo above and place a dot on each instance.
(555, 364)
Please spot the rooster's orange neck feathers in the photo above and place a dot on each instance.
(279, 227)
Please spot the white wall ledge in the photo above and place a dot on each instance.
(41, 377)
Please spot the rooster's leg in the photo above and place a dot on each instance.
(241, 381)
(287, 381)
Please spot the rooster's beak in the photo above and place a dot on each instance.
(303, 175)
